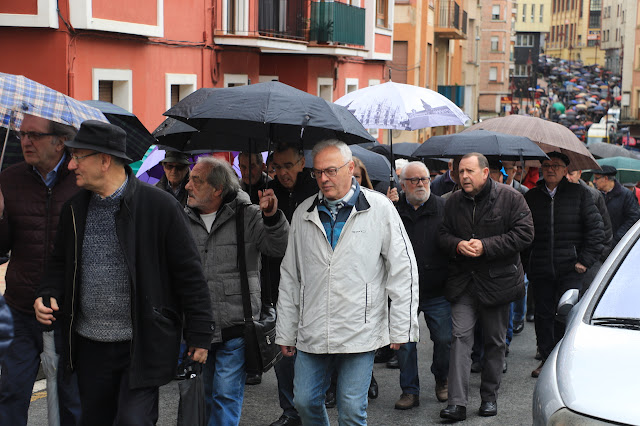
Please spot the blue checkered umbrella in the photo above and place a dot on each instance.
(22, 96)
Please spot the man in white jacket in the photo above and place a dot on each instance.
(348, 253)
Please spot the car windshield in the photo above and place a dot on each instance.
(620, 299)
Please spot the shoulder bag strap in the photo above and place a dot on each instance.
(242, 264)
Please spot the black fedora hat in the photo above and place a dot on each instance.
(102, 137)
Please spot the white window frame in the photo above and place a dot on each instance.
(188, 84)
(241, 18)
(45, 17)
(237, 79)
(496, 40)
(495, 77)
(524, 12)
(81, 16)
(122, 85)
(268, 78)
(325, 81)
(493, 14)
(351, 82)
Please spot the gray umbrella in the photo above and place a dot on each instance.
(606, 150)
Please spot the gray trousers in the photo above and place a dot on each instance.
(494, 321)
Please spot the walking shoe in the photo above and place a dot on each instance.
(536, 372)
(538, 355)
(253, 379)
(393, 362)
(518, 327)
(442, 390)
(407, 401)
(454, 412)
(530, 317)
(330, 399)
(488, 408)
(373, 388)
(285, 420)
(504, 365)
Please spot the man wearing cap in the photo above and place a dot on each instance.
(621, 203)
(124, 272)
(176, 175)
(569, 239)
(31, 198)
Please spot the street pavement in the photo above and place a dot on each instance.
(261, 406)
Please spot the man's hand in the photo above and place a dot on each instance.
(198, 354)
(580, 268)
(44, 315)
(395, 346)
(392, 194)
(268, 202)
(477, 247)
(471, 248)
(288, 350)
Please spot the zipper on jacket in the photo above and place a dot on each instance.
(47, 223)
(553, 236)
(73, 286)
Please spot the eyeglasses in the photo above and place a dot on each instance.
(34, 136)
(328, 172)
(174, 166)
(414, 181)
(552, 166)
(77, 158)
(287, 166)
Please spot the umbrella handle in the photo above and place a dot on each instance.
(392, 169)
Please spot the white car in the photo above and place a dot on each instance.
(592, 377)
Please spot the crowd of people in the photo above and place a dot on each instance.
(123, 272)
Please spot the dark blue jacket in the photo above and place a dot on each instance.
(442, 184)
(624, 210)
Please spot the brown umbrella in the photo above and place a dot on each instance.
(549, 135)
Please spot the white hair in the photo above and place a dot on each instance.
(342, 147)
(403, 173)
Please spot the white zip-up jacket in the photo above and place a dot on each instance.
(336, 301)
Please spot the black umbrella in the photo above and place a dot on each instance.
(184, 108)
(401, 149)
(494, 144)
(138, 137)
(248, 118)
(377, 164)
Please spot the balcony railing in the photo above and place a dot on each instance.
(282, 18)
(334, 22)
(448, 23)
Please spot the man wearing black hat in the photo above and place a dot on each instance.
(621, 203)
(568, 241)
(176, 175)
(123, 273)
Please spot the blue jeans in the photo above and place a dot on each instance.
(312, 379)
(520, 306)
(285, 373)
(224, 376)
(437, 314)
(19, 370)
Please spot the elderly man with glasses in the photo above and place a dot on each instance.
(31, 198)
(348, 253)
(422, 213)
(176, 175)
(569, 239)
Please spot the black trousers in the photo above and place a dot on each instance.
(103, 380)
(547, 293)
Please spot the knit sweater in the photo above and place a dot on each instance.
(105, 299)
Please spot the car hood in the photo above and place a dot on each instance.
(598, 374)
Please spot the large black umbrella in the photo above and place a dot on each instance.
(138, 137)
(401, 149)
(494, 144)
(249, 118)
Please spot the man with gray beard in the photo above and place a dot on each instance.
(422, 213)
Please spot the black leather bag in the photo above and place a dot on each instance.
(260, 351)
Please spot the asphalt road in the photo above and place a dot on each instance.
(261, 405)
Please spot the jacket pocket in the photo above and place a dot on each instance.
(369, 301)
(502, 271)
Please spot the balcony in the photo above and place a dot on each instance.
(337, 23)
(448, 23)
(282, 19)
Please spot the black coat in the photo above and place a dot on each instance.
(624, 210)
(442, 184)
(422, 227)
(305, 187)
(598, 199)
(163, 183)
(500, 218)
(165, 272)
(569, 229)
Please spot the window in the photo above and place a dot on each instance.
(233, 80)
(494, 44)
(493, 74)
(351, 85)
(381, 13)
(594, 19)
(541, 13)
(177, 86)
(524, 40)
(520, 70)
(524, 12)
(533, 13)
(113, 85)
(325, 88)
(617, 34)
(495, 12)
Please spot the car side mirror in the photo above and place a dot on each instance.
(567, 301)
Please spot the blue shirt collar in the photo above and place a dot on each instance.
(51, 177)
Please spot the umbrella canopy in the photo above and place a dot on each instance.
(401, 149)
(248, 118)
(402, 107)
(488, 143)
(559, 106)
(548, 135)
(628, 168)
(606, 150)
(377, 165)
(138, 137)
